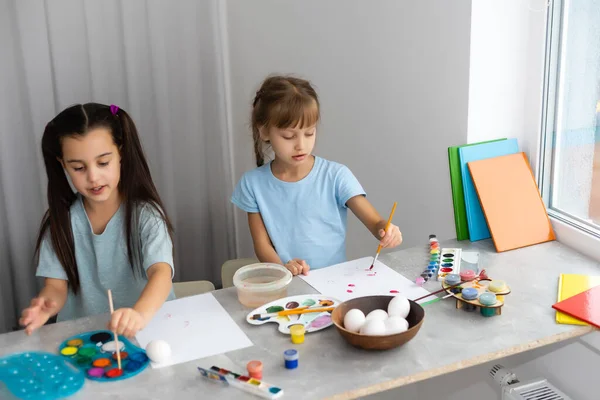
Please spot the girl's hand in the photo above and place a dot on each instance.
(38, 313)
(127, 322)
(297, 266)
(390, 238)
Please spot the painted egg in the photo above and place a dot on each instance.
(158, 351)
(353, 320)
(373, 327)
(395, 325)
(377, 314)
(399, 307)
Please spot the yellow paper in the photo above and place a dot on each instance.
(570, 285)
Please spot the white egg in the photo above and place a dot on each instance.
(373, 327)
(399, 307)
(158, 351)
(377, 314)
(353, 320)
(395, 325)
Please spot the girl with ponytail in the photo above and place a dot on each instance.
(111, 232)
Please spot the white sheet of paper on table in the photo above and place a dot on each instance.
(195, 327)
(354, 279)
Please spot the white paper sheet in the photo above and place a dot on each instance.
(195, 327)
(354, 279)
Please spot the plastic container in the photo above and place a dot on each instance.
(261, 283)
(297, 333)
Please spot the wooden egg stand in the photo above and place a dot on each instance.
(481, 288)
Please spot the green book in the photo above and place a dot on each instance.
(458, 195)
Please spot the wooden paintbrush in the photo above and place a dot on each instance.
(482, 275)
(110, 302)
(389, 221)
(292, 312)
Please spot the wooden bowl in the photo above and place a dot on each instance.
(366, 305)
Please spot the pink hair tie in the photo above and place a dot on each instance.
(114, 109)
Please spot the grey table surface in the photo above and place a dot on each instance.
(449, 339)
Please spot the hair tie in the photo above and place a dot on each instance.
(114, 109)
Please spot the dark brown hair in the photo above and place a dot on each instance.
(135, 186)
(282, 102)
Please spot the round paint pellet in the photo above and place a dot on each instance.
(138, 357)
(96, 372)
(101, 337)
(447, 260)
(497, 286)
(446, 270)
(75, 343)
(123, 355)
(467, 275)
(487, 299)
(114, 373)
(83, 361)
(101, 362)
(111, 347)
(87, 351)
(132, 365)
(69, 351)
(448, 255)
(452, 279)
(469, 293)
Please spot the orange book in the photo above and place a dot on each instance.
(511, 202)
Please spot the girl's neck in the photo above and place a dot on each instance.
(106, 208)
(292, 173)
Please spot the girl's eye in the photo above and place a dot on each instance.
(310, 134)
(288, 138)
(103, 164)
(78, 168)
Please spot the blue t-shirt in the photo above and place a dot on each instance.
(102, 261)
(304, 219)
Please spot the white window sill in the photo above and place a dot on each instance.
(575, 238)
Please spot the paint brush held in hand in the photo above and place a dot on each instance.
(112, 310)
(389, 221)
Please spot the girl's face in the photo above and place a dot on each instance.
(93, 163)
(292, 146)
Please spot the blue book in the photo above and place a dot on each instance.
(478, 228)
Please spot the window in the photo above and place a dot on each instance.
(569, 173)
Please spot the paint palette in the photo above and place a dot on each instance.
(480, 291)
(245, 383)
(39, 376)
(449, 263)
(94, 353)
(312, 322)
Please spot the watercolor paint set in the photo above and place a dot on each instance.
(95, 354)
(485, 294)
(312, 311)
(242, 382)
(449, 262)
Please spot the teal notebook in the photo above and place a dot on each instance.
(458, 196)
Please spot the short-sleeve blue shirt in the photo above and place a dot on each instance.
(102, 261)
(304, 219)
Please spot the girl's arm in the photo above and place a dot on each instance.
(368, 215)
(264, 250)
(47, 304)
(128, 321)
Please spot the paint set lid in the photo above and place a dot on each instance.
(487, 299)
(467, 275)
(290, 355)
(469, 293)
(452, 279)
(497, 286)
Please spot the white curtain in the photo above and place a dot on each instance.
(162, 61)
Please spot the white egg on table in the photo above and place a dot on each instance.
(399, 306)
(377, 314)
(373, 327)
(158, 351)
(353, 320)
(395, 325)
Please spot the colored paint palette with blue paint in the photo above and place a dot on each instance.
(95, 354)
(39, 376)
(449, 263)
(313, 322)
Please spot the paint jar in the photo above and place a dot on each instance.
(255, 369)
(469, 294)
(488, 299)
(452, 279)
(467, 275)
(297, 333)
(260, 283)
(497, 287)
(290, 357)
